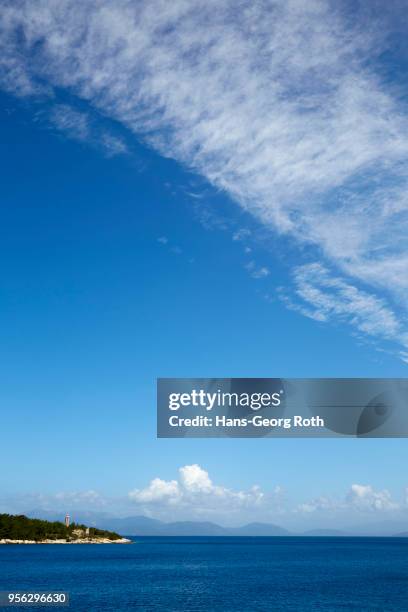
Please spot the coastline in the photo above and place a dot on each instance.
(79, 541)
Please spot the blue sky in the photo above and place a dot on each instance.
(202, 230)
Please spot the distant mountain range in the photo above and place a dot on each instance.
(145, 526)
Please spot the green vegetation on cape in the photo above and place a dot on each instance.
(19, 527)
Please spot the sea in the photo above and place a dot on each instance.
(216, 573)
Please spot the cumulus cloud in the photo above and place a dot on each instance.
(278, 103)
(195, 492)
(318, 504)
(157, 491)
(360, 498)
(194, 496)
(365, 498)
(196, 480)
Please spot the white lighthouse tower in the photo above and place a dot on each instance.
(67, 520)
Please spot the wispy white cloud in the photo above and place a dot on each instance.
(74, 123)
(277, 103)
(112, 145)
(79, 125)
(172, 248)
(323, 296)
(257, 271)
(241, 234)
(81, 498)
(61, 501)
(176, 250)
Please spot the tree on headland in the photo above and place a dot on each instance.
(20, 527)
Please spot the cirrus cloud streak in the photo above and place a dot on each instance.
(276, 102)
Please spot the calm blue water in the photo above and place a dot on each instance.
(217, 574)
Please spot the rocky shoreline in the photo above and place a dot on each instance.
(78, 541)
